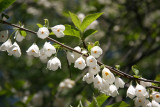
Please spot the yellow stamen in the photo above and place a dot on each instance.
(106, 73)
(95, 51)
(58, 30)
(80, 62)
(33, 50)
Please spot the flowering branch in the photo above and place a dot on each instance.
(114, 70)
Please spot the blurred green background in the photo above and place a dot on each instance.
(128, 33)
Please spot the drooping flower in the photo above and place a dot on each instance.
(113, 90)
(97, 82)
(96, 51)
(6, 45)
(58, 30)
(54, 64)
(43, 56)
(105, 87)
(156, 96)
(131, 92)
(91, 61)
(49, 49)
(155, 104)
(94, 70)
(140, 91)
(14, 50)
(43, 33)
(108, 75)
(77, 55)
(33, 50)
(3, 35)
(85, 53)
(80, 63)
(18, 36)
(138, 101)
(70, 57)
(119, 83)
(66, 84)
(147, 103)
(88, 78)
(145, 84)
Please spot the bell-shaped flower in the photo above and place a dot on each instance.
(80, 63)
(77, 55)
(3, 35)
(70, 57)
(91, 61)
(147, 103)
(140, 91)
(119, 83)
(43, 33)
(49, 49)
(138, 101)
(18, 36)
(108, 75)
(88, 78)
(145, 84)
(33, 50)
(81, 16)
(113, 90)
(54, 64)
(58, 30)
(96, 51)
(105, 87)
(156, 96)
(43, 56)
(94, 70)
(6, 45)
(155, 104)
(14, 50)
(97, 82)
(131, 92)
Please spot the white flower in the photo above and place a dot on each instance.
(145, 84)
(3, 35)
(54, 64)
(85, 53)
(77, 55)
(80, 63)
(119, 83)
(140, 91)
(70, 57)
(88, 78)
(156, 96)
(105, 87)
(131, 92)
(147, 103)
(94, 70)
(58, 30)
(33, 50)
(108, 75)
(97, 81)
(49, 49)
(139, 101)
(43, 56)
(66, 84)
(155, 104)
(96, 51)
(92, 25)
(6, 45)
(14, 50)
(113, 91)
(91, 61)
(81, 16)
(43, 33)
(18, 36)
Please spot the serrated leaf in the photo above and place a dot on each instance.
(71, 31)
(88, 20)
(96, 43)
(23, 33)
(100, 100)
(119, 104)
(135, 70)
(75, 20)
(39, 25)
(4, 4)
(89, 32)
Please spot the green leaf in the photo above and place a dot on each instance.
(135, 69)
(96, 43)
(39, 25)
(71, 31)
(90, 46)
(89, 19)
(89, 32)
(75, 20)
(99, 100)
(117, 67)
(119, 104)
(4, 4)
(136, 76)
(23, 33)
(46, 22)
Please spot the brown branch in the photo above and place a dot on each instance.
(114, 70)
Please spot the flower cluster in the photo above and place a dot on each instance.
(66, 84)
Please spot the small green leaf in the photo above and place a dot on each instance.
(96, 43)
(39, 25)
(89, 32)
(136, 76)
(99, 100)
(117, 67)
(4, 4)
(89, 19)
(119, 104)
(46, 22)
(57, 46)
(23, 33)
(135, 70)
(71, 31)
(75, 20)
(90, 46)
